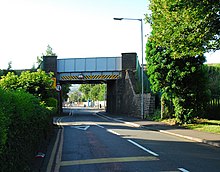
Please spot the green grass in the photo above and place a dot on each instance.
(212, 126)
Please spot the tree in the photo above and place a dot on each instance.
(188, 28)
(182, 32)
(213, 72)
(85, 89)
(75, 96)
(181, 81)
(93, 91)
(37, 83)
(49, 52)
(9, 65)
(9, 82)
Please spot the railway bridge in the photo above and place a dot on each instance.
(119, 73)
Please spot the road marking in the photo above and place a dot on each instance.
(113, 132)
(99, 126)
(59, 153)
(82, 127)
(58, 121)
(132, 124)
(105, 118)
(183, 170)
(119, 120)
(143, 148)
(52, 156)
(108, 160)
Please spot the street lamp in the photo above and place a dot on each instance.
(142, 61)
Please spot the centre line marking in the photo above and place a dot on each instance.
(108, 160)
(143, 148)
(183, 170)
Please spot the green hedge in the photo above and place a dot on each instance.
(23, 125)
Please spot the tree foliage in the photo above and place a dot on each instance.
(48, 52)
(37, 83)
(93, 91)
(187, 27)
(182, 81)
(75, 96)
(182, 32)
(213, 72)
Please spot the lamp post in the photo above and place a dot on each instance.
(142, 61)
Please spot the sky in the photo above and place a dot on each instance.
(73, 28)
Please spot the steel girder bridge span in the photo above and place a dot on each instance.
(88, 70)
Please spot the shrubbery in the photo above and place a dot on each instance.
(24, 123)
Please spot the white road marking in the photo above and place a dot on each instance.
(183, 170)
(132, 124)
(105, 118)
(113, 132)
(119, 120)
(58, 121)
(143, 148)
(99, 126)
(82, 127)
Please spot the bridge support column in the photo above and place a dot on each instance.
(116, 89)
(121, 94)
(50, 64)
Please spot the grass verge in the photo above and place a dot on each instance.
(206, 125)
(212, 126)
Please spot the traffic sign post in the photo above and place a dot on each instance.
(58, 89)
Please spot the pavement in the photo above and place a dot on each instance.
(194, 135)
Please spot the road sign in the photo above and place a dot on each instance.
(58, 87)
(54, 82)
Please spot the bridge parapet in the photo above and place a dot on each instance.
(97, 68)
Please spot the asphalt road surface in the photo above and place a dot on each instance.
(91, 142)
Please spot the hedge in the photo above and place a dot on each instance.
(23, 125)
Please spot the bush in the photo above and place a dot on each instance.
(51, 102)
(52, 105)
(23, 125)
